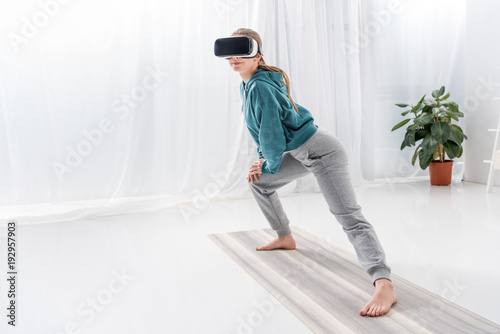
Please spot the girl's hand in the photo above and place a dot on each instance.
(255, 171)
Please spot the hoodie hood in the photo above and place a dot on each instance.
(273, 78)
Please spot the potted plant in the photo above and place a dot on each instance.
(432, 125)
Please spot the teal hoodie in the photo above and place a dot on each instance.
(274, 124)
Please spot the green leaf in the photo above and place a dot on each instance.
(425, 156)
(430, 102)
(440, 131)
(452, 149)
(452, 115)
(421, 134)
(427, 109)
(404, 113)
(458, 130)
(454, 109)
(445, 97)
(453, 106)
(441, 91)
(405, 143)
(416, 108)
(456, 137)
(415, 155)
(436, 154)
(435, 93)
(401, 105)
(411, 137)
(423, 119)
(461, 151)
(435, 111)
(413, 127)
(429, 145)
(425, 142)
(400, 124)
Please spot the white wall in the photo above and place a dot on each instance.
(482, 75)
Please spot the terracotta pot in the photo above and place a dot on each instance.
(440, 172)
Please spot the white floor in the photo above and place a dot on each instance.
(159, 273)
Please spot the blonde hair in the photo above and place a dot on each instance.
(262, 64)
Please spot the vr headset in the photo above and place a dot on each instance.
(244, 47)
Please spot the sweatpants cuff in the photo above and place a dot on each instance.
(381, 273)
(284, 231)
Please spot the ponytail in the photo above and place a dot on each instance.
(286, 80)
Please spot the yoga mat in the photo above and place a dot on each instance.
(325, 287)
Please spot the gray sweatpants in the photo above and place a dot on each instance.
(323, 155)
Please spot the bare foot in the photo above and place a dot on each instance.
(286, 242)
(382, 300)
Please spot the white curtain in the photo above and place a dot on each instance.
(121, 106)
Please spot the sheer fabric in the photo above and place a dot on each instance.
(121, 106)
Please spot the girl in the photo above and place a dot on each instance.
(291, 146)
